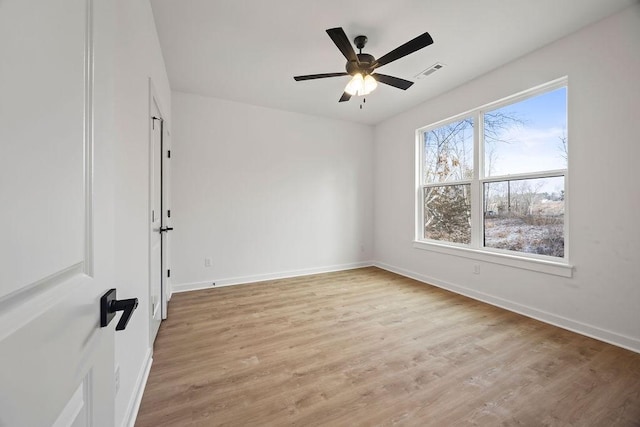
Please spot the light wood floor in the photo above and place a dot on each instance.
(368, 347)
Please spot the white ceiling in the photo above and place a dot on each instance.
(249, 50)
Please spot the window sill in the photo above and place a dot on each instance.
(540, 265)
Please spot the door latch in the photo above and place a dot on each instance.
(109, 305)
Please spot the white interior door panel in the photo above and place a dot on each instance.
(57, 362)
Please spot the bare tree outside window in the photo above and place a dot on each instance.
(448, 152)
(448, 213)
(448, 157)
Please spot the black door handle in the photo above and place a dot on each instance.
(109, 305)
(165, 229)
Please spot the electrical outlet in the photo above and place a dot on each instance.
(207, 262)
(476, 268)
(117, 375)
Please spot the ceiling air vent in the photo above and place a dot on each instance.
(435, 67)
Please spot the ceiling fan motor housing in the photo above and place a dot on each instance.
(365, 67)
(366, 61)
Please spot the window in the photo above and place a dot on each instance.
(447, 174)
(494, 179)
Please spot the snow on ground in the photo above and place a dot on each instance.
(538, 235)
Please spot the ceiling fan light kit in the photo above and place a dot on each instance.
(369, 84)
(355, 85)
(361, 66)
(359, 86)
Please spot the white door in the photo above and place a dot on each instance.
(155, 236)
(56, 362)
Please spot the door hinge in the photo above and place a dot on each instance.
(168, 213)
(168, 154)
(153, 121)
(168, 273)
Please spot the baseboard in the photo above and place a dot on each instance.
(591, 331)
(185, 287)
(136, 398)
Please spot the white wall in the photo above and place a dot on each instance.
(266, 193)
(138, 57)
(603, 297)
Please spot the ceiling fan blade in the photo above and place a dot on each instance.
(345, 97)
(340, 39)
(319, 76)
(393, 81)
(411, 46)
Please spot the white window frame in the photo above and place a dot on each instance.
(475, 250)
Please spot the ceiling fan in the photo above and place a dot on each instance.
(361, 66)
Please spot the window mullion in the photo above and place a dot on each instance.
(528, 175)
(419, 153)
(476, 186)
(448, 183)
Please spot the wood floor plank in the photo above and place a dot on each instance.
(369, 347)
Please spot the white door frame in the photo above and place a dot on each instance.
(166, 218)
